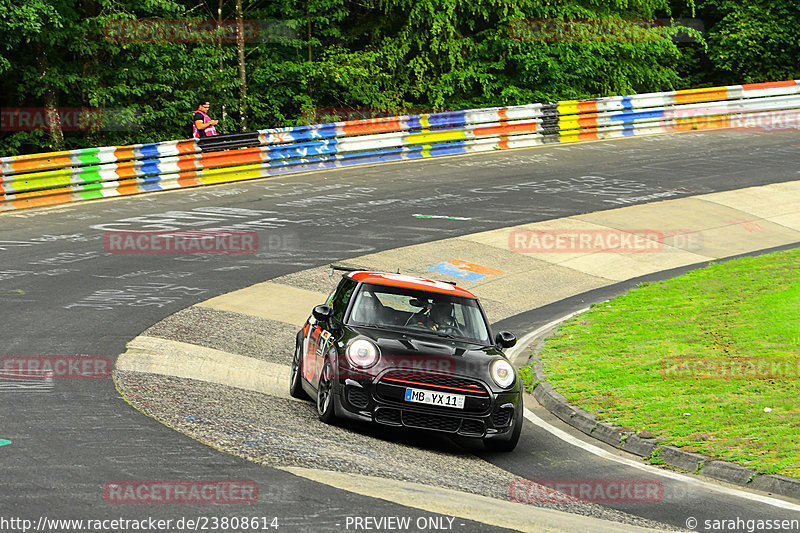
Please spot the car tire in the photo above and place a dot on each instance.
(296, 376)
(325, 395)
(507, 443)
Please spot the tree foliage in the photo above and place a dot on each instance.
(387, 55)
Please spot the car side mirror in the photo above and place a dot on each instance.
(322, 313)
(505, 339)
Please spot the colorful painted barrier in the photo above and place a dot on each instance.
(61, 177)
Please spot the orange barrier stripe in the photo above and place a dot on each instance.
(503, 113)
(526, 127)
(688, 124)
(587, 107)
(127, 186)
(188, 163)
(769, 85)
(126, 170)
(188, 182)
(701, 95)
(503, 143)
(373, 127)
(42, 201)
(224, 159)
(41, 164)
(589, 136)
(124, 154)
(186, 147)
(589, 121)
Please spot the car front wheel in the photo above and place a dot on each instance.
(325, 391)
(295, 381)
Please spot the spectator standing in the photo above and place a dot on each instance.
(202, 125)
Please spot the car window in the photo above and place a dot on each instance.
(341, 297)
(420, 312)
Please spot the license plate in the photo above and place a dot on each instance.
(435, 398)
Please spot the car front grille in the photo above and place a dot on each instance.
(357, 397)
(501, 418)
(450, 424)
(392, 388)
(471, 427)
(435, 422)
(453, 384)
(389, 416)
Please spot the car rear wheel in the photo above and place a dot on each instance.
(507, 442)
(325, 407)
(296, 379)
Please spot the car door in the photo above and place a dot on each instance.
(319, 337)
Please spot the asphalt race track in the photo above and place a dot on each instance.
(62, 294)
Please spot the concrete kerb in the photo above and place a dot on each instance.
(623, 439)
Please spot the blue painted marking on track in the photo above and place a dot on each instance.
(4, 442)
(452, 270)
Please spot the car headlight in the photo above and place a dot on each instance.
(362, 353)
(502, 373)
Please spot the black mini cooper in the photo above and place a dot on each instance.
(405, 351)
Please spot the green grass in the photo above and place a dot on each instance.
(696, 360)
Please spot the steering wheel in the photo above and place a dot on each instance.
(419, 315)
(450, 330)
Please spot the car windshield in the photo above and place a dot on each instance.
(419, 312)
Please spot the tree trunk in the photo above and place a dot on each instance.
(50, 101)
(242, 71)
(219, 51)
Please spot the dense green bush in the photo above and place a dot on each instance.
(387, 55)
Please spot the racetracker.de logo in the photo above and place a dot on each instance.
(181, 242)
(585, 241)
(55, 366)
(587, 490)
(180, 492)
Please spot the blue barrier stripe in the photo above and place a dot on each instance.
(150, 167)
(150, 149)
(630, 116)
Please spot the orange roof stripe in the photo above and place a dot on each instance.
(410, 282)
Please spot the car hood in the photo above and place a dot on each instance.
(399, 348)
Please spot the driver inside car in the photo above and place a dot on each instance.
(441, 316)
